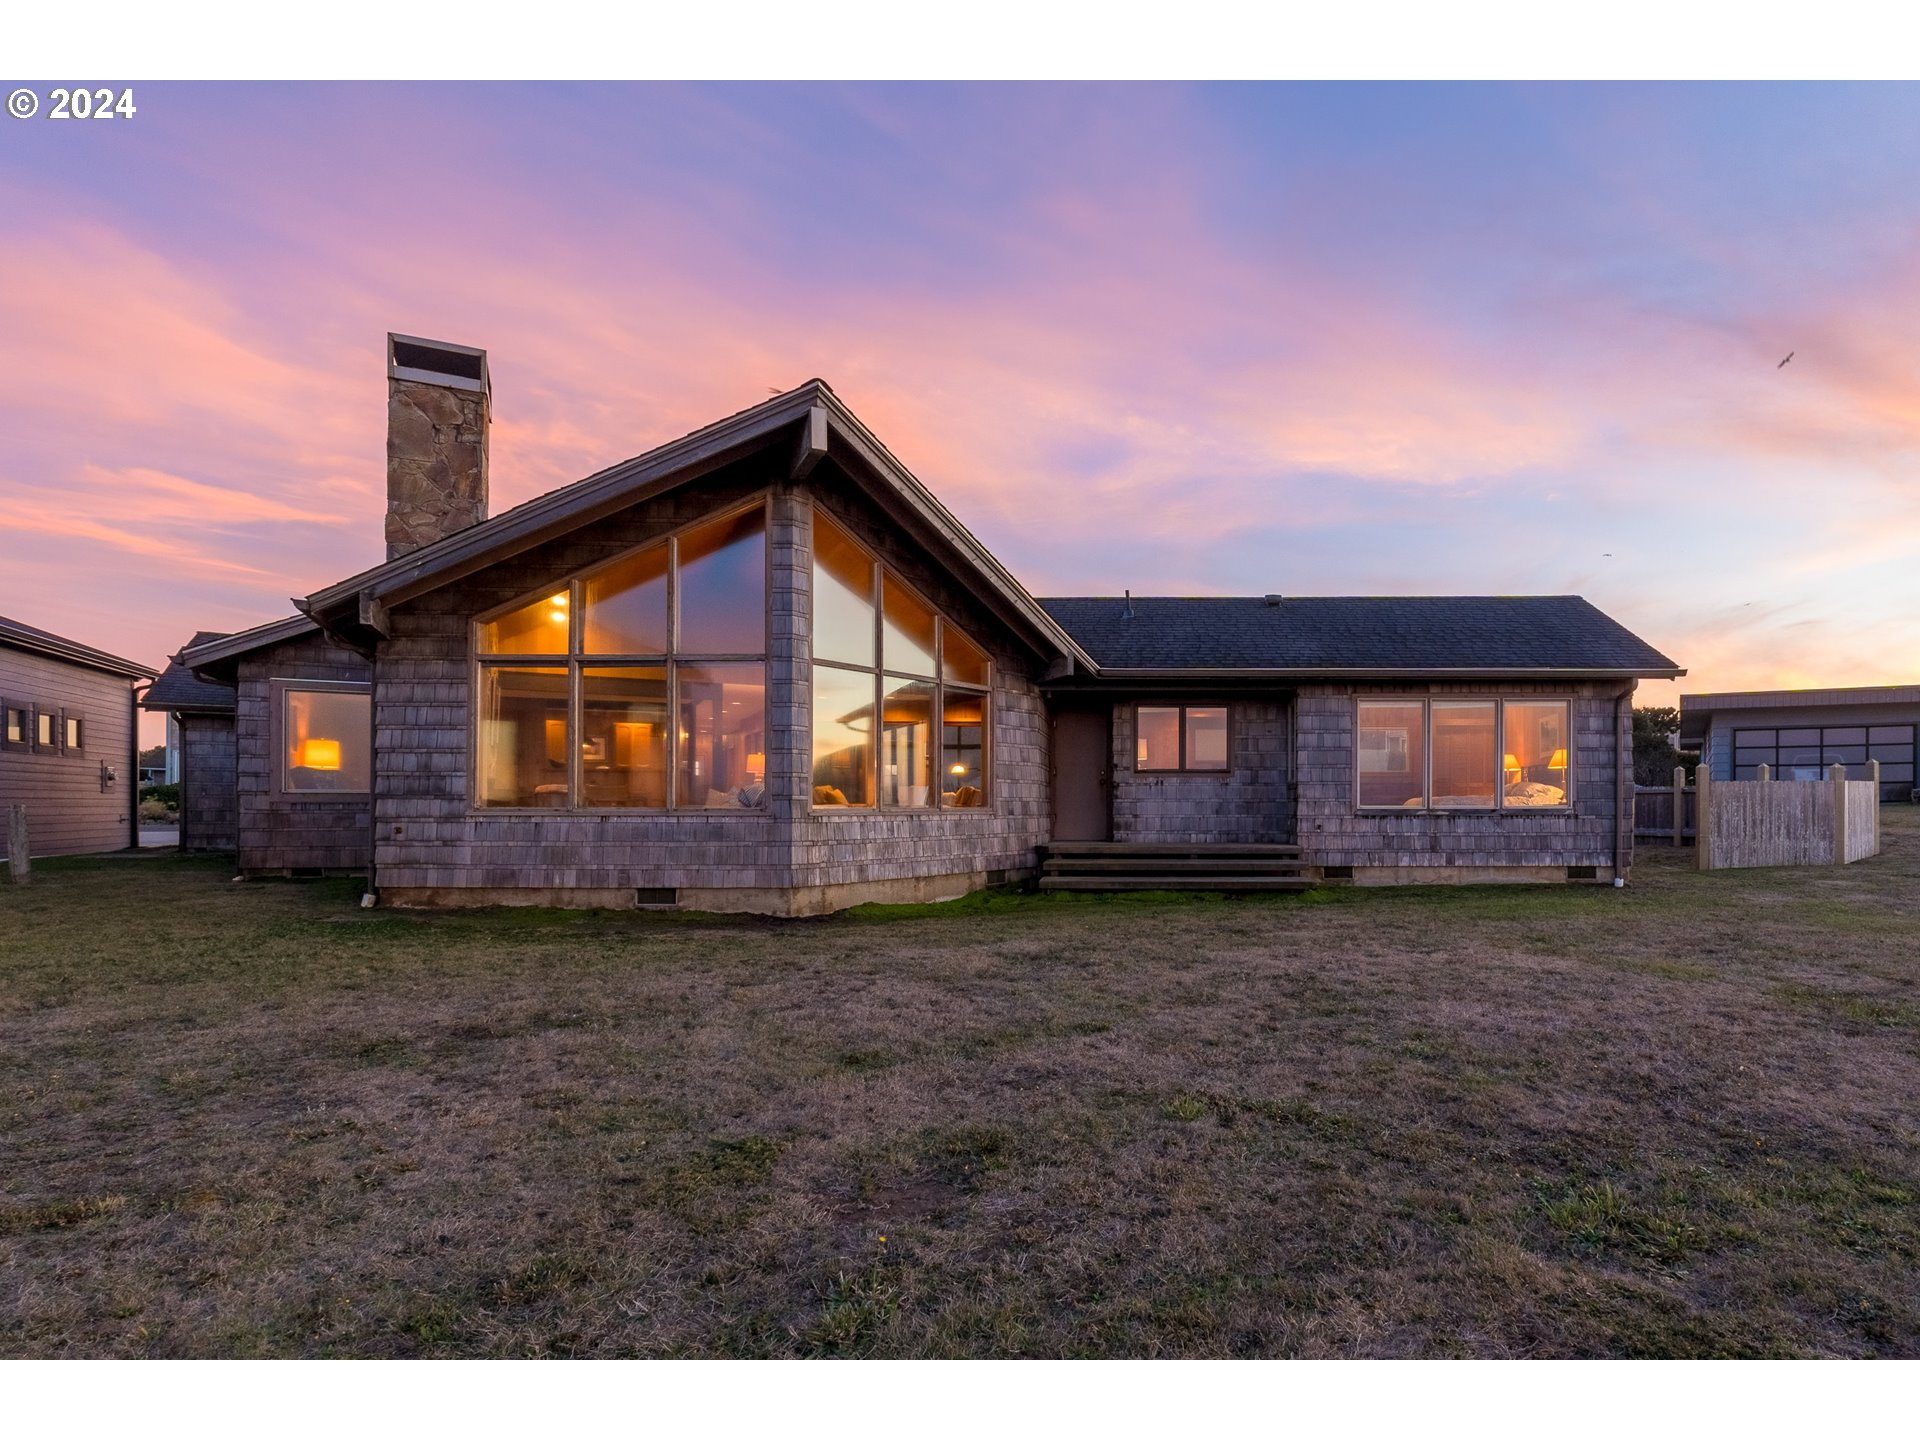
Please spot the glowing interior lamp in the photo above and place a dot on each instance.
(558, 613)
(1513, 767)
(956, 769)
(320, 754)
(1559, 760)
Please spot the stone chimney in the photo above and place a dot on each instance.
(438, 404)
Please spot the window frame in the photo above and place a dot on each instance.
(73, 723)
(278, 689)
(1744, 754)
(881, 674)
(1499, 806)
(1183, 768)
(576, 660)
(41, 715)
(10, 706)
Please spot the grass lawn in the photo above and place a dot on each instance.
(252, 1119)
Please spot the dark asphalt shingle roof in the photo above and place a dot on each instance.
(178, 688)
(1345, 633)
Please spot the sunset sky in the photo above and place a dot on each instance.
(1317, 339)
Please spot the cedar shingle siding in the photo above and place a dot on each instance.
(1334, 832)
(209, 797)
(1250, 803)
(1287, 671)
(430, 841)
(280, 833)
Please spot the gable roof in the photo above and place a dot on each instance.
(16, 636)
(178, 688)
(810, 419)
(1357, 635)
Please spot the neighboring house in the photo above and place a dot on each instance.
(67, 746)
(762, 668)
(1799, 733)
(200, 750)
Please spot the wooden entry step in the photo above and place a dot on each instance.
(1074, 849)
(1127, 865)
(1222, 883)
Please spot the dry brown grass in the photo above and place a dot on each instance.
(253, 1120)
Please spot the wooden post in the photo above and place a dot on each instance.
(1837, 776)
(1679, 805)
(1702, 829)
(1873, 774)
(17, 863)
(1763, 772)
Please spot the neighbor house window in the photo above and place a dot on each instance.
(46, 733)
(16, 724)
(639, 684)
(1806, 752)
(1180, 737)
(75, 732)
(326, 741)
(1462, 754)
(900, 696)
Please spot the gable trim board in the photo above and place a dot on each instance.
(406, 629)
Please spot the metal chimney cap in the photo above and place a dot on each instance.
(437, 362)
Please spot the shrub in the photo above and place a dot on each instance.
(167, 795)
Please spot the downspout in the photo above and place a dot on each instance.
(372, 895)
(134, 691)
(1623, 787)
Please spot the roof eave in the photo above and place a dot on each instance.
(244, 642)
(84, 656)
(1378, 672)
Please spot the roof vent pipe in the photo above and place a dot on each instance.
(1129, 610)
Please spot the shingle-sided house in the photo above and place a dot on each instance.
(762, 668)
(67, 747)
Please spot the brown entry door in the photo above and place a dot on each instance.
(1082, 775)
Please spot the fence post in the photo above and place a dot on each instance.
(1679, 805)
(1702, 829)
(17, 863)
(1873, 774)
(1837, 776)
(1763, 772)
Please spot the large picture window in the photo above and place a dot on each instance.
(326, 740)
(880, 650)
(639, 684)
(1180, 737)
(1462, 754)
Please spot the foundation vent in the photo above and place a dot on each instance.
(663, 897)
(1336, 872)
(1583, 872)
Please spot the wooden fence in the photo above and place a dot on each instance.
(1654, 807)
(1744, 823)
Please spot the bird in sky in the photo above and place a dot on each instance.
(1783, 364)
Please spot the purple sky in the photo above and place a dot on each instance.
(1318, 339)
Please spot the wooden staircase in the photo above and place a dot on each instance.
(1129, 865)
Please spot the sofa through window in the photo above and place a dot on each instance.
(1463, 754)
